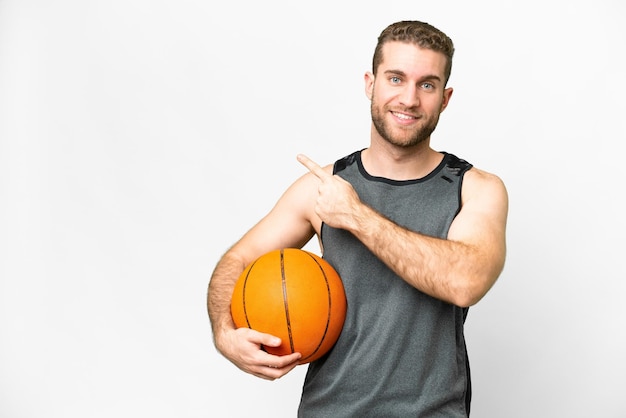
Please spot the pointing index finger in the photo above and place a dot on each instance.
(313, 166)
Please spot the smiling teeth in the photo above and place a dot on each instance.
(402, 116)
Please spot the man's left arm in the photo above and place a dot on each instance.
(460, 269)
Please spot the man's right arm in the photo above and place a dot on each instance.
(290, 224)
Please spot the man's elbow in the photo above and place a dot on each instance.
(471, 290)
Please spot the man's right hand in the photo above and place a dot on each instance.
(243, 347)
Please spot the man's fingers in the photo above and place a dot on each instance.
(313, 166)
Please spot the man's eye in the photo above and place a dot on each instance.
(395, 80)
(428, 86)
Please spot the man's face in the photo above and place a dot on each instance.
(408, 93)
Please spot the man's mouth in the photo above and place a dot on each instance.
(403, 116)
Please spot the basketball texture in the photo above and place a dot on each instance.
(295, 295)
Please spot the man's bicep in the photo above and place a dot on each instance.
(481, 223)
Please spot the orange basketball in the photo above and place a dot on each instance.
(295, 295)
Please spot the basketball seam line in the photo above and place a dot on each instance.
(286, 299)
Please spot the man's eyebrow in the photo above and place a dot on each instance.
(395, 72)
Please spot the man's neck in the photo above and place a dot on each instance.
(382, 159)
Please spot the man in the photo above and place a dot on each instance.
(416, 235)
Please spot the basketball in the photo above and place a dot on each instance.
(295, 295)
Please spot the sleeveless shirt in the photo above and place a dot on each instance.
(401, 353)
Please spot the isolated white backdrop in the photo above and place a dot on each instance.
(140, 139)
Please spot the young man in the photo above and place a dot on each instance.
(416, 235)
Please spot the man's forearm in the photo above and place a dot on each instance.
(440, 268)
(220, 292)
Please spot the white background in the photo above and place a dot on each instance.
(140, 139)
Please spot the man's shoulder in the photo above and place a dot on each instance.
(479, 175)
(346, 161)
(478, 182)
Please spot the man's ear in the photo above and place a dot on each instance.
(369, 84)
(447, 93)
